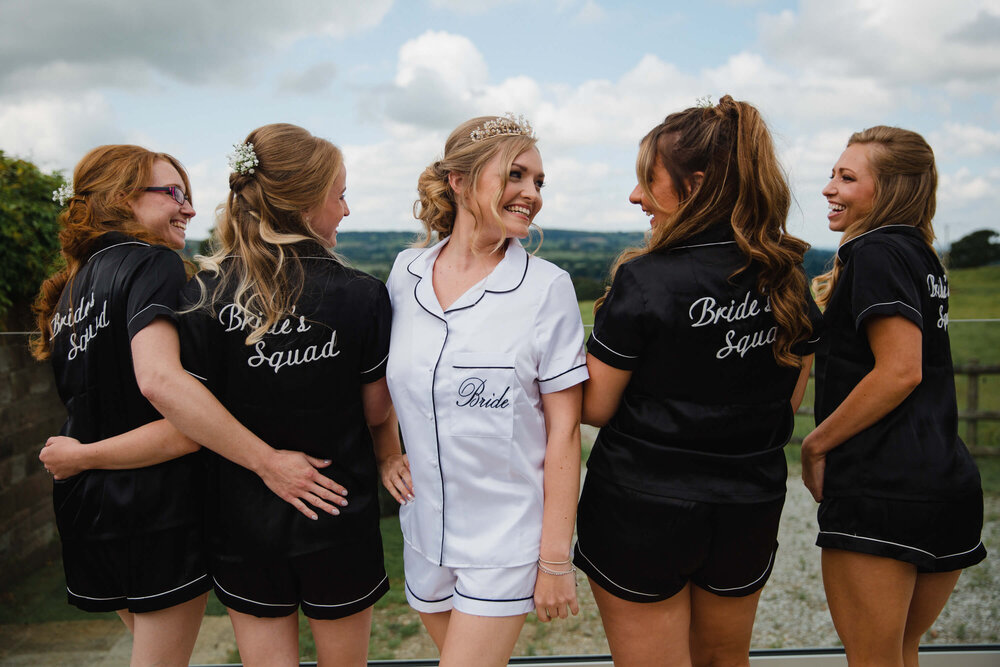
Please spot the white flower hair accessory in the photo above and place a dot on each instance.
(507, 124)
(704, 102)
(243, 159)
(63, 194)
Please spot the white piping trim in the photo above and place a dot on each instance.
(625, 356)
(376, 365)
(239, 597)
(651, 595)
(147, 308)
(195, 375)
(888, 303)
(146, 597)
(344, 604)
(762, 574)
(109, 248)
(702, 245)
(87, 597)
(895, 544)
(870, 231)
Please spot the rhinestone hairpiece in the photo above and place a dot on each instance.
(507, 124)
(243, 158)
(704, 102)
(63, 194)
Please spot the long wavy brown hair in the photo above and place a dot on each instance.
(744, 184)
(105, 182)
(262, 224)
(902, 164)
(437, 206)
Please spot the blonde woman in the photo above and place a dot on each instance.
(485, 369)
(901, 505)
(699, 357)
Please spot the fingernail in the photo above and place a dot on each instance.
(326, 461)
(313, 517)
(334, 511)
(409, 496)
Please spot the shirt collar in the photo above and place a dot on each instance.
(844, 251)
(111, 239)
(505, 277)
(718, 234)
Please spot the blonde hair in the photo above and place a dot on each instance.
(437, 206)
(105, 181)
(744, 185)
(262, 222)
(902, 165)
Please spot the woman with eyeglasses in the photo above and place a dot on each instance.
(131, 536)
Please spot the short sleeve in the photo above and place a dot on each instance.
(559, 338)
(201, 340)
(617, 336)
(375, 349)
(155, 285)
(881, 284)
(808, 346)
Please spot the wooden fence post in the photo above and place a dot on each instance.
(972, 402)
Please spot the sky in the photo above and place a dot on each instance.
(388, 80)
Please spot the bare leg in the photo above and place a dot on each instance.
(653, 634)
(437, 627)
(869, 598)
(343, 641)
(721, 628)
(929, 596)
(484, 641)
(167, 637)
(128, 618)
(267, 641)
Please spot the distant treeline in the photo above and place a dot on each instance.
(586, 256)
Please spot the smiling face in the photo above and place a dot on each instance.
(158, 212)
(520, 201)
(326, 217)
(661, 186)
(851, 190)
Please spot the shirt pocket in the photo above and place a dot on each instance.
(480, 396)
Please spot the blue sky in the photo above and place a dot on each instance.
(387, 80)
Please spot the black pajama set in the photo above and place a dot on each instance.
(132, 539)
(687, 480)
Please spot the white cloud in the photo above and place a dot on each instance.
(903, 41)
(963, 186)
(54, 131)
(959, 139)
(187, 40)
(590, 13)
(313, 79)
(468, 6)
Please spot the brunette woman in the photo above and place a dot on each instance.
(699, 357)
(485, 369)
(901, 502)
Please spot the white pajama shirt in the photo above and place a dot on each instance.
(467, 384)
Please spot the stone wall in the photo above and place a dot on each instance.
(30, 411)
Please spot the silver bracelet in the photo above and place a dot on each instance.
(558, 573)
(555, 562)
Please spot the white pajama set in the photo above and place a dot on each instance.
(467, 385)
